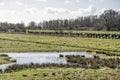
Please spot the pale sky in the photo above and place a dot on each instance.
(38, 10)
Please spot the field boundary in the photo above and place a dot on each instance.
(83, 35)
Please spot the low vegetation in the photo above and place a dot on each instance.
(94, 63)
(62, 74)
(4, 59)
(78, 67)
(39, 43)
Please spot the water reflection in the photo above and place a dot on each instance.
(41, 57)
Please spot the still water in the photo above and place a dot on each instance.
(41, 57)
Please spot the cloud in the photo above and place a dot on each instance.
(77, 1)
(42, 0)
(6, 12)
(71, 1)
(31, 11)
(80, 12)
(85, 11)
(96, 0)
(19, 3)
(118, 9)
(51, 10)
(2, 3)
(102, 10)
(90, 10)
(67, 1)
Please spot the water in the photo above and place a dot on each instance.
(41, 57)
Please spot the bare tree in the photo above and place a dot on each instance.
(109, 19)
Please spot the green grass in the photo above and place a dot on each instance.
(4, 60)
(62, 74)
(39, 43)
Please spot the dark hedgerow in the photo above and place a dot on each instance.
(95, 62)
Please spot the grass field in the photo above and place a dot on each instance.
(62, 74)
(4, 60)
(38, 43)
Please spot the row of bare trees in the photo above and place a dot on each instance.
(109, 20)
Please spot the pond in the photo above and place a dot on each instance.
(41, 57)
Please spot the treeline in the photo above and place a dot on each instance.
(109, 20)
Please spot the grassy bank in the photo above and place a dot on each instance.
(39, 43)
(4, 59)
(62, 74)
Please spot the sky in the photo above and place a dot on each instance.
(16, 11)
